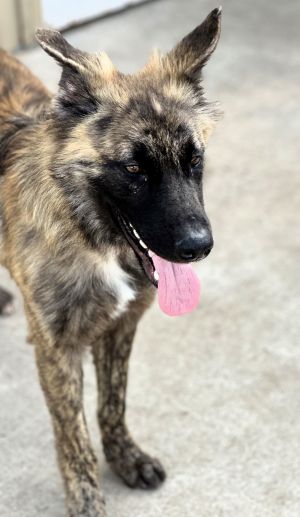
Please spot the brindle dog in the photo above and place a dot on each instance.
(85, 175)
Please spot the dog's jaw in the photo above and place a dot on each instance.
(141, 250)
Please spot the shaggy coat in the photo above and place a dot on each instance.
(75, 169)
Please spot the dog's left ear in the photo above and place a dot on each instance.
(191, 54)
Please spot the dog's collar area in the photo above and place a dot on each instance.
(141, 249)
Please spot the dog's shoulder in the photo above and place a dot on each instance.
(79, 295)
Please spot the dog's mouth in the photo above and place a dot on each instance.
(141, 250)
(178, 285)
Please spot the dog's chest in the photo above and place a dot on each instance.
(79, 302)
(118, 283)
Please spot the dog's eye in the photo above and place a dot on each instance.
(134, 169)
(196, 160)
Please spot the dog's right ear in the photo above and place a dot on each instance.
(82, 77)
(74, 97)
(57, 47)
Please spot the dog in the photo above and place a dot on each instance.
(99, 183)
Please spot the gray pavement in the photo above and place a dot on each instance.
(216, 394)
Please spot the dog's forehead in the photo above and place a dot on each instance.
(162, 116)
(159, 104)
(158, 121)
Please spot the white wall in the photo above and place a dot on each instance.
(59, 13)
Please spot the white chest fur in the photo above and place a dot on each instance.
(118, 281)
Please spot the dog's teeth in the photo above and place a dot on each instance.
(136, 233)
(156, 276)
(143, 244)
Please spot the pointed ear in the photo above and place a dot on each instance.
(57, 47)
(191, 54)
(75, 95)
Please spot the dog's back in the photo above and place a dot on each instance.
(21, 93)
(22, 98)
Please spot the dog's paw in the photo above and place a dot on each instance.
(140, 471)
(6, 303)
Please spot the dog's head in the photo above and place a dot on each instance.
(131, 147)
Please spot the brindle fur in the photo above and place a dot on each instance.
(81, 282)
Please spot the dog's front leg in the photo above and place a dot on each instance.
(60, 374)
(111, 358)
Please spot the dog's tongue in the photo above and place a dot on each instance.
(178, 287)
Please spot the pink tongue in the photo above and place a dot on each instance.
(178, 287)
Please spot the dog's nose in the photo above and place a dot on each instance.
(195, 246)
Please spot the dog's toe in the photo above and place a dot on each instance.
(150, 474)
(143, 472)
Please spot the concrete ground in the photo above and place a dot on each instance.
(214, 394)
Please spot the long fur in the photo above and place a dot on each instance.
(64, 178)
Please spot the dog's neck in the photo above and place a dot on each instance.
(68, 221)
